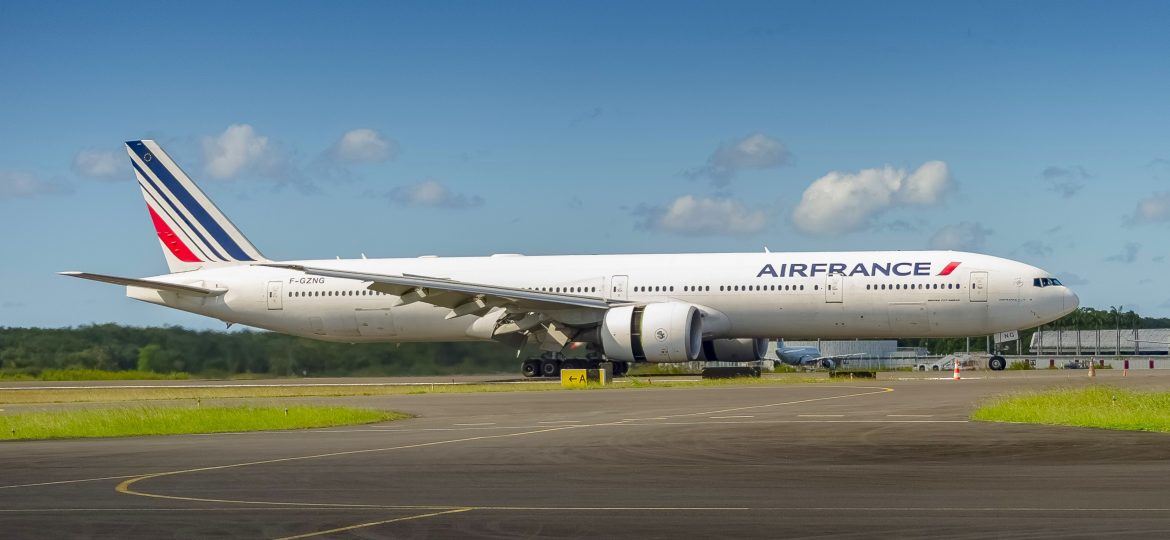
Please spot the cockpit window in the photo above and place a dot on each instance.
(1046, 282)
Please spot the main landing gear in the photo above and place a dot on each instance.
(550, 365)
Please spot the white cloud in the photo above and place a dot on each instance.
(1037, 248)
(1066, 181)
(843, 202)
(238, 149)
(364, 146)
(431, 193)
(703, 216)
(1152, 209)
(20, 184)
(1071, 279)
(101, 164)
(963, 236)
(591, 114)
(1128, 255)
(754, 152)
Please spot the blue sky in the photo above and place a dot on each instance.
(1038, 131)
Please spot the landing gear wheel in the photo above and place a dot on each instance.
(620, 368)
(574, 363)
(550, 368)
(997, 363)
(531, 368)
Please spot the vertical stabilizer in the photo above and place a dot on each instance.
(193, 232)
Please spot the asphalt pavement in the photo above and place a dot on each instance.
(894, 457)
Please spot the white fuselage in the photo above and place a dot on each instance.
(876, 294)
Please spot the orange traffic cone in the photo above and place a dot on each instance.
(955, 377)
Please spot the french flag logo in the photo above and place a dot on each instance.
(949, 268)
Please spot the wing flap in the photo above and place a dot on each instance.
(189, 290)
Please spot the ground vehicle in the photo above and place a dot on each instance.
(993, 362)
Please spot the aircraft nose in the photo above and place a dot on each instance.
(1071, 301)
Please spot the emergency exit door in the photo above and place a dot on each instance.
(617, 287)
(275, 301)
(833, 292)
(978, 286)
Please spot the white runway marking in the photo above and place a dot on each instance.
(738, 416)
(560, 422)
(820, 415)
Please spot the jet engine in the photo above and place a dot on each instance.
(660, 332)
(734, 350)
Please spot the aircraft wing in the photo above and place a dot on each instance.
(464, 298)
(189, 290)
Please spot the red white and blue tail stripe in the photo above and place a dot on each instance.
(193, 232)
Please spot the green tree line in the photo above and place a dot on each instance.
(114, 347)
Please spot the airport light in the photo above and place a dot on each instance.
(1117, 328)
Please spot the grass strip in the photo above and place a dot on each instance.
(1097, 407)
(28, 396)
(90, 375)
(145, 420)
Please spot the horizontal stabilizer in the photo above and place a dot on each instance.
(189, 290)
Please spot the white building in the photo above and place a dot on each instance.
(871, 348)
(1147, 341)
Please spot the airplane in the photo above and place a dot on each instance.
(622, 309)
(811, 357)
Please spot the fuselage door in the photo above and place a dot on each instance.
(617, 287)
(275, 301)
(978, 286)
(833, 292)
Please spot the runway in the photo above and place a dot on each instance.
(885, 458)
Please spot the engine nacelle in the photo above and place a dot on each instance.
(734, 350)
(661, 332)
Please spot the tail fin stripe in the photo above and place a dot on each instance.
(197, 211)
(178, 212)
(170, 239)
(157, 208)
